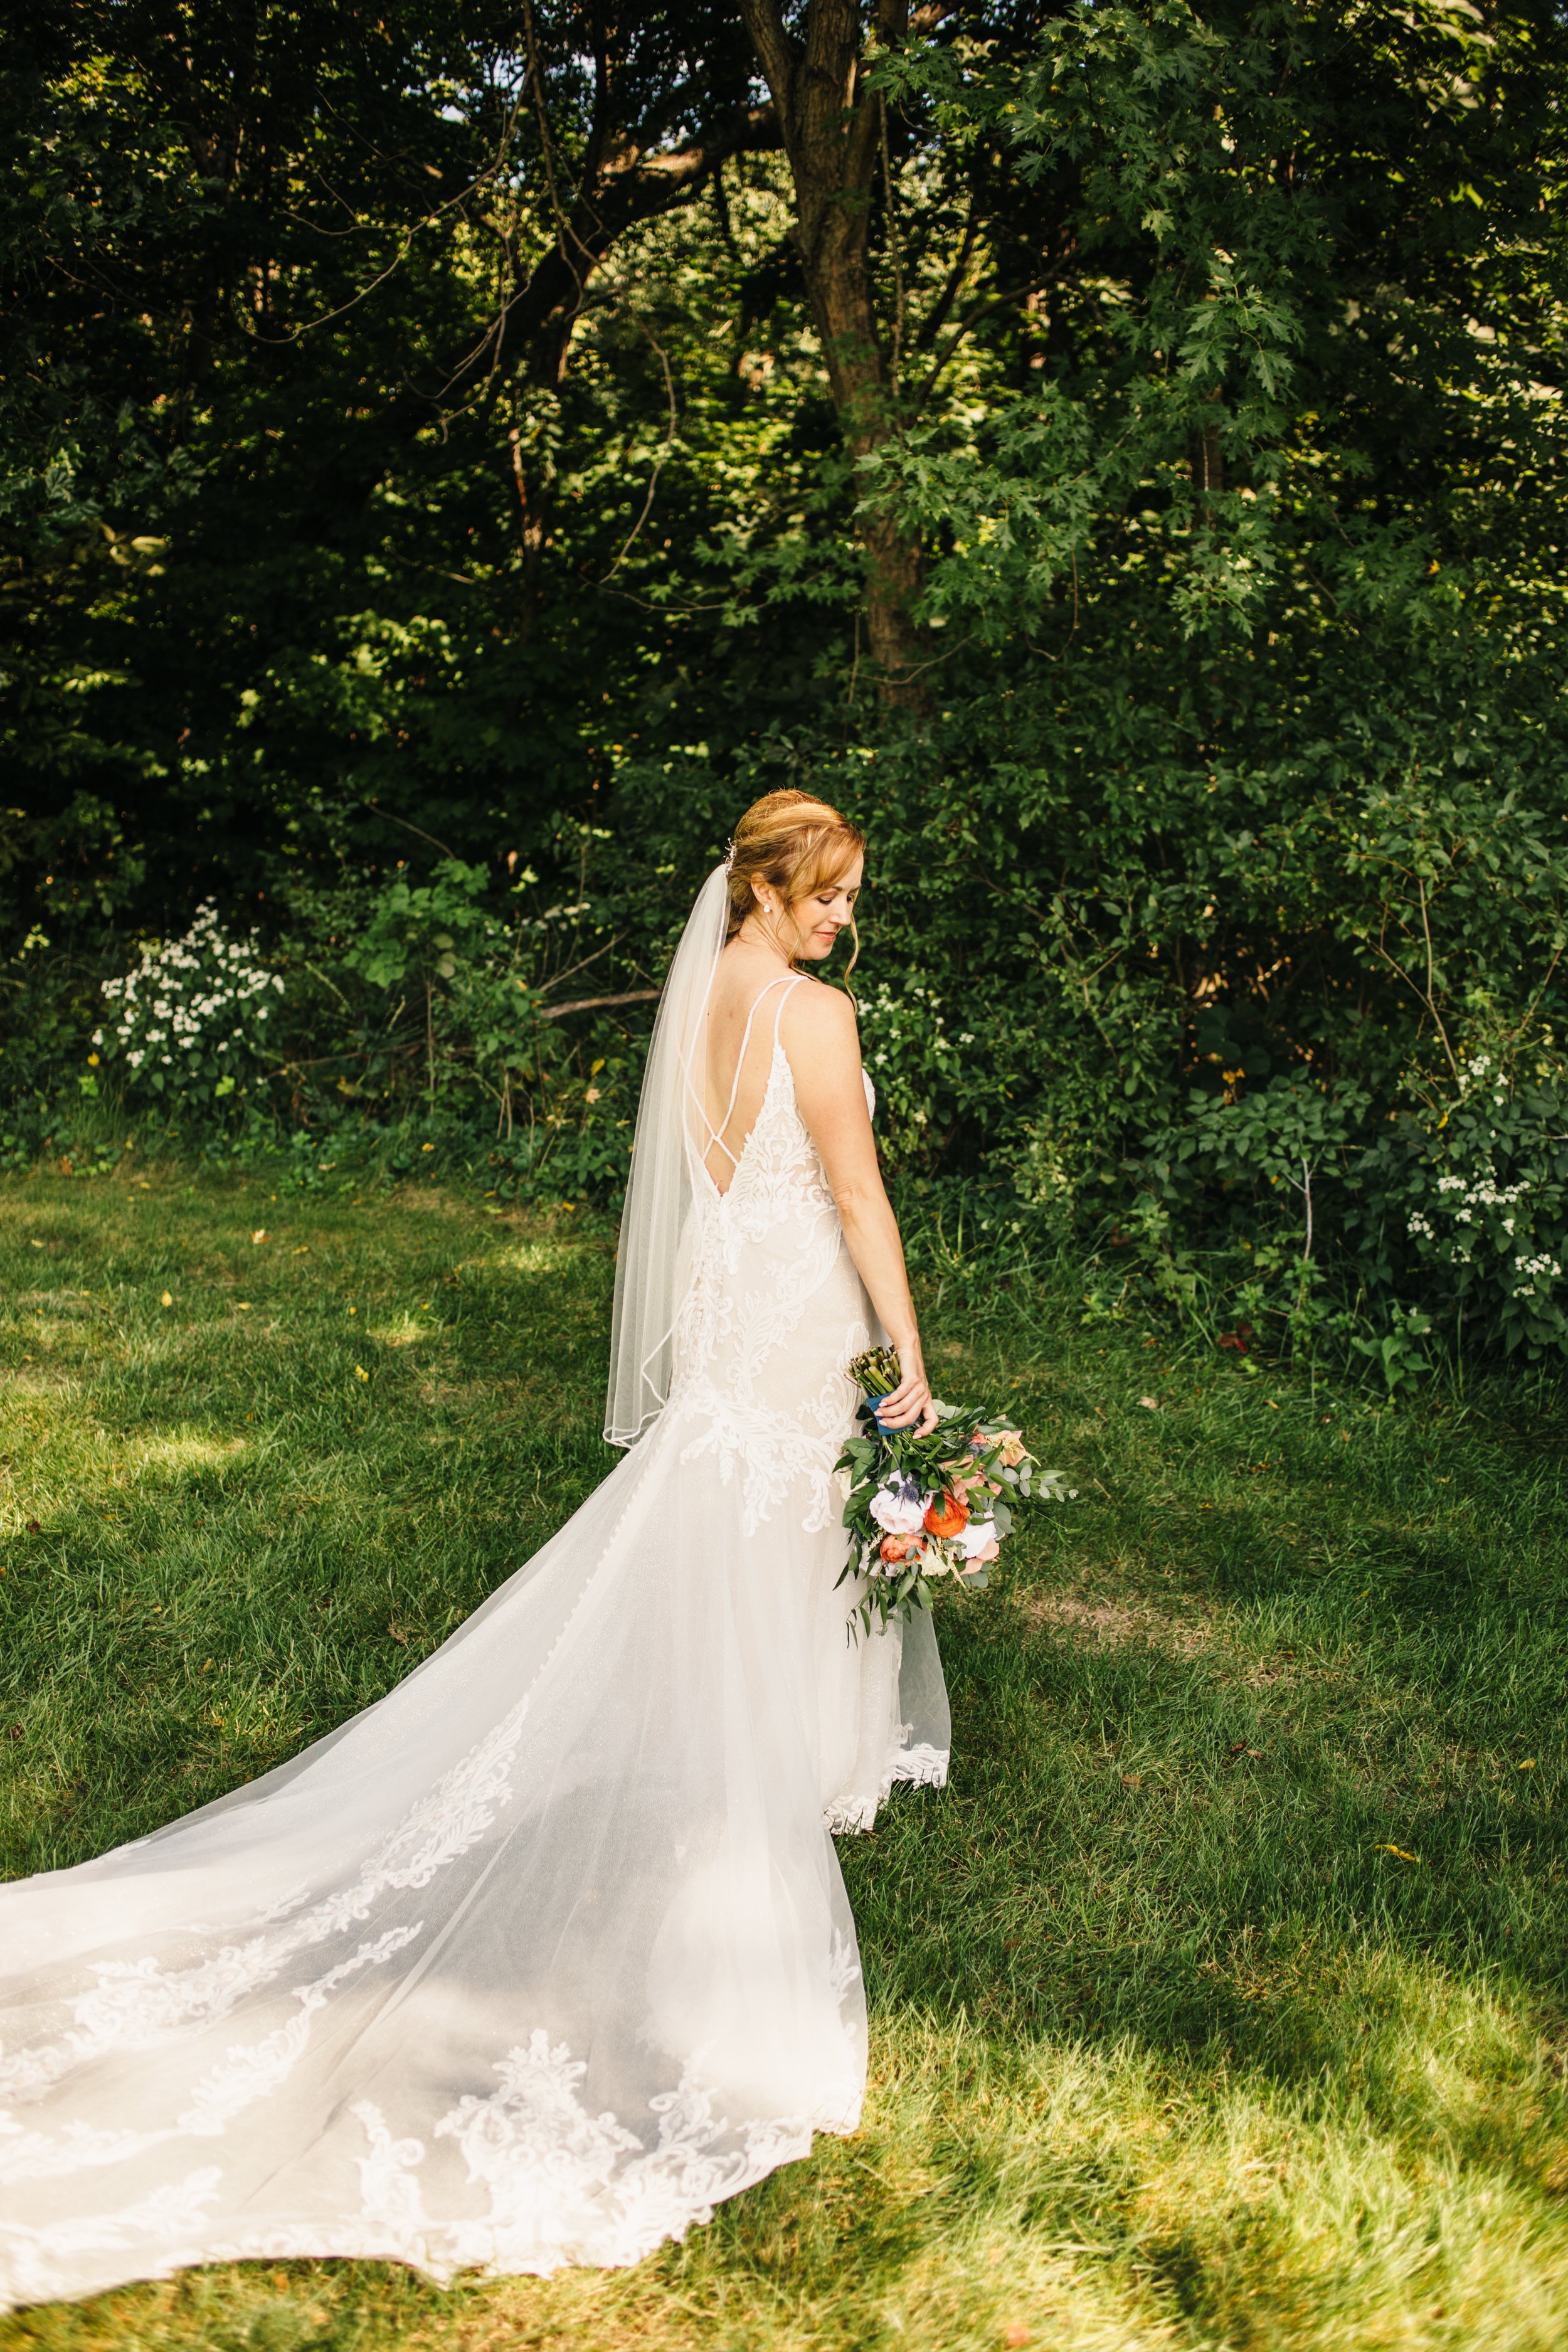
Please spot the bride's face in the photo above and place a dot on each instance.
(824, 912)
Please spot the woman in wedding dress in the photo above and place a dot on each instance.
(548, 1950)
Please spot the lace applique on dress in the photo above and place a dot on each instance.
(138, 2004)
(922, 1766)
(609, 1754)
(761, 1252)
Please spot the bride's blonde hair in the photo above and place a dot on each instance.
(795, 843)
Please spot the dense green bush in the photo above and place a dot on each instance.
(1216, 927)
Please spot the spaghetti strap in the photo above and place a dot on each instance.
(717, 1133)
(784, 1000)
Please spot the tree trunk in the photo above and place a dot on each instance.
(832, 127)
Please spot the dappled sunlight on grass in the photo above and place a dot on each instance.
(400, 1331)
(542, 1256)
(1218, 2002)
(70, 1459)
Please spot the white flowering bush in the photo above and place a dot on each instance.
(1446, 1206)
(931, 1080)
(189, 1022)
(1472, 1196)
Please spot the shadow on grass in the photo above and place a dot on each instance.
(1215, 2002)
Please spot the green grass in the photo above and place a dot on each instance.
(1220, 2002)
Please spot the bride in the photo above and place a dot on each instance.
(548, 1950)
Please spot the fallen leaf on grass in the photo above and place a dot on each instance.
(167, 1299)
(33, 1529)
(1399, 1850)
(260, 1234)
(1153, 1403)
(359, 1372)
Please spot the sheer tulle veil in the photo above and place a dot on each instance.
(653, 1265)
(548, 1950)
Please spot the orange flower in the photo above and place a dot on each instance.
(946, 1516)
(893, 1547)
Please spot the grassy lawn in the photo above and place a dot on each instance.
(1220, 2002)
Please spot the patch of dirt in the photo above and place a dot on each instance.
(1121, 1624)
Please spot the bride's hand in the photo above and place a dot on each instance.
(911, 1402)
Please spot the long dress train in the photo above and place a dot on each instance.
(548, 1950)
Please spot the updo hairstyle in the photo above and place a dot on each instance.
(795, 844)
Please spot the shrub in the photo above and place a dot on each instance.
(193, 1016)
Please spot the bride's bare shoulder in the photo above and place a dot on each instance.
(820, 1015)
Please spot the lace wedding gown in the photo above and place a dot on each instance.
(548, 1950)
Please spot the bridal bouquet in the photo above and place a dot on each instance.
(920, 1508)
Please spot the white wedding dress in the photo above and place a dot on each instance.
(547, 1951)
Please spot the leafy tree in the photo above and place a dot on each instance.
(1115, 450)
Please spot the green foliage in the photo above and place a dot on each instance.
(1467, 1199)
(190, 1021)
(345, 524)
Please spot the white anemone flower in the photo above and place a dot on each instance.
(974, 1534)
(900, 1508)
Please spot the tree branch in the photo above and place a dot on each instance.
(593, 1003)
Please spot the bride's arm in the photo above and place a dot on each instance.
(824, 1049)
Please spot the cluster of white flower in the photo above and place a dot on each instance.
(184, 988)
(554, 915)
(1533, 1267)
(1475, 1074)
(1486, 1194)
(902, 1021)
(1461, 1197)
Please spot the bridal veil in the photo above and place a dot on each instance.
(548, 1950)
